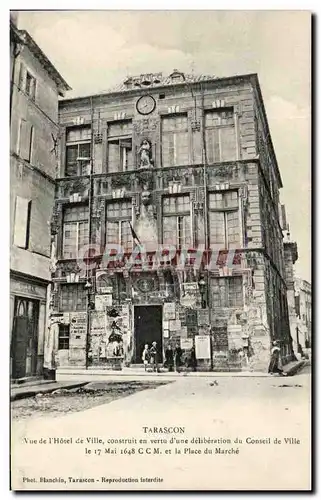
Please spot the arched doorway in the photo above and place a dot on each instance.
(24, 345)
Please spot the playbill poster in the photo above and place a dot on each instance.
(160, 286)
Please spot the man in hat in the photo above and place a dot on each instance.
(153, 352)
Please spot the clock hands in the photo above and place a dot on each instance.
(146, 105)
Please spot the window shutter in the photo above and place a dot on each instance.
(25, 140)
(21, 76)
(22, 218)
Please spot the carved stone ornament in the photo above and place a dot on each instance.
(145, 154)
(67, 188)
(55, 219)
(71, 267)
(145, 179)
(121, 180)
(97, 208)
(145, 125)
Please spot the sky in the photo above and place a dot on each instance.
(95, 50)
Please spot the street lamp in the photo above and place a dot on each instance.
(202, 286)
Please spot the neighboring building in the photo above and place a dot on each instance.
(303, 307)
(298, 292)
(34, 88)
(186, 162)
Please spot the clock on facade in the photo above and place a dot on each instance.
(145, 104)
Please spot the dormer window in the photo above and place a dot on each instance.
(177, 76)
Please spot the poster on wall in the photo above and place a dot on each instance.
(98, 323)
(78, 329)
(183, 331)
(174, 325)
(103, 301)
(202, 317)
(186, 344)
(169, 311)
(202, 347)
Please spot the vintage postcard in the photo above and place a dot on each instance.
(160, 281)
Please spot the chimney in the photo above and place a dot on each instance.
(14, 17)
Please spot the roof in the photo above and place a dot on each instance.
(152, 80)
(137, 84)
(43, 59)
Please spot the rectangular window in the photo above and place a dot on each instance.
(22, 223)
(78, 151)
(30, 86)
(227, 292)
(120, 150)
(220, 135)
(175, 146)
(64, 335)
(118, 231)
(26, 134)
(224, 224)
(177, 221)
(75, 231)
(73, 298)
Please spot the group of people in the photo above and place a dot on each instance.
(173, 358)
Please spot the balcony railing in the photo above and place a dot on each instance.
(156, 178)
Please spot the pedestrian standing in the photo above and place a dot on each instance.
(178, 357)
(193, 362)
(146, 356)
(275, 365)
(154, 357)
(169, 358)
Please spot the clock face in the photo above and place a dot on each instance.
(145, 104)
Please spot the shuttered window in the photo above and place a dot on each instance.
(27, 82)
(30, 88)
(118, 215)
(78, 151)
(220, 135)
(227, 292)
(75, 231)
(73, 298)
(224, 222)
(120, 150)
(175, 147)
(22, 72)
(177, 221)
(26, 135)
(22, 222)
(64, 336)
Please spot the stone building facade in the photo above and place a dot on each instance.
(34, 88)
(303, 306)
(179, 175)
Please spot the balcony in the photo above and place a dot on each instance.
(167, 178)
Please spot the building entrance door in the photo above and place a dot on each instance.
(148, 328)
(24, 344)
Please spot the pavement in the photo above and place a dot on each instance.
(29, 390)
(33, 387)
(123, 445)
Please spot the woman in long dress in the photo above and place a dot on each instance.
(275, 365)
